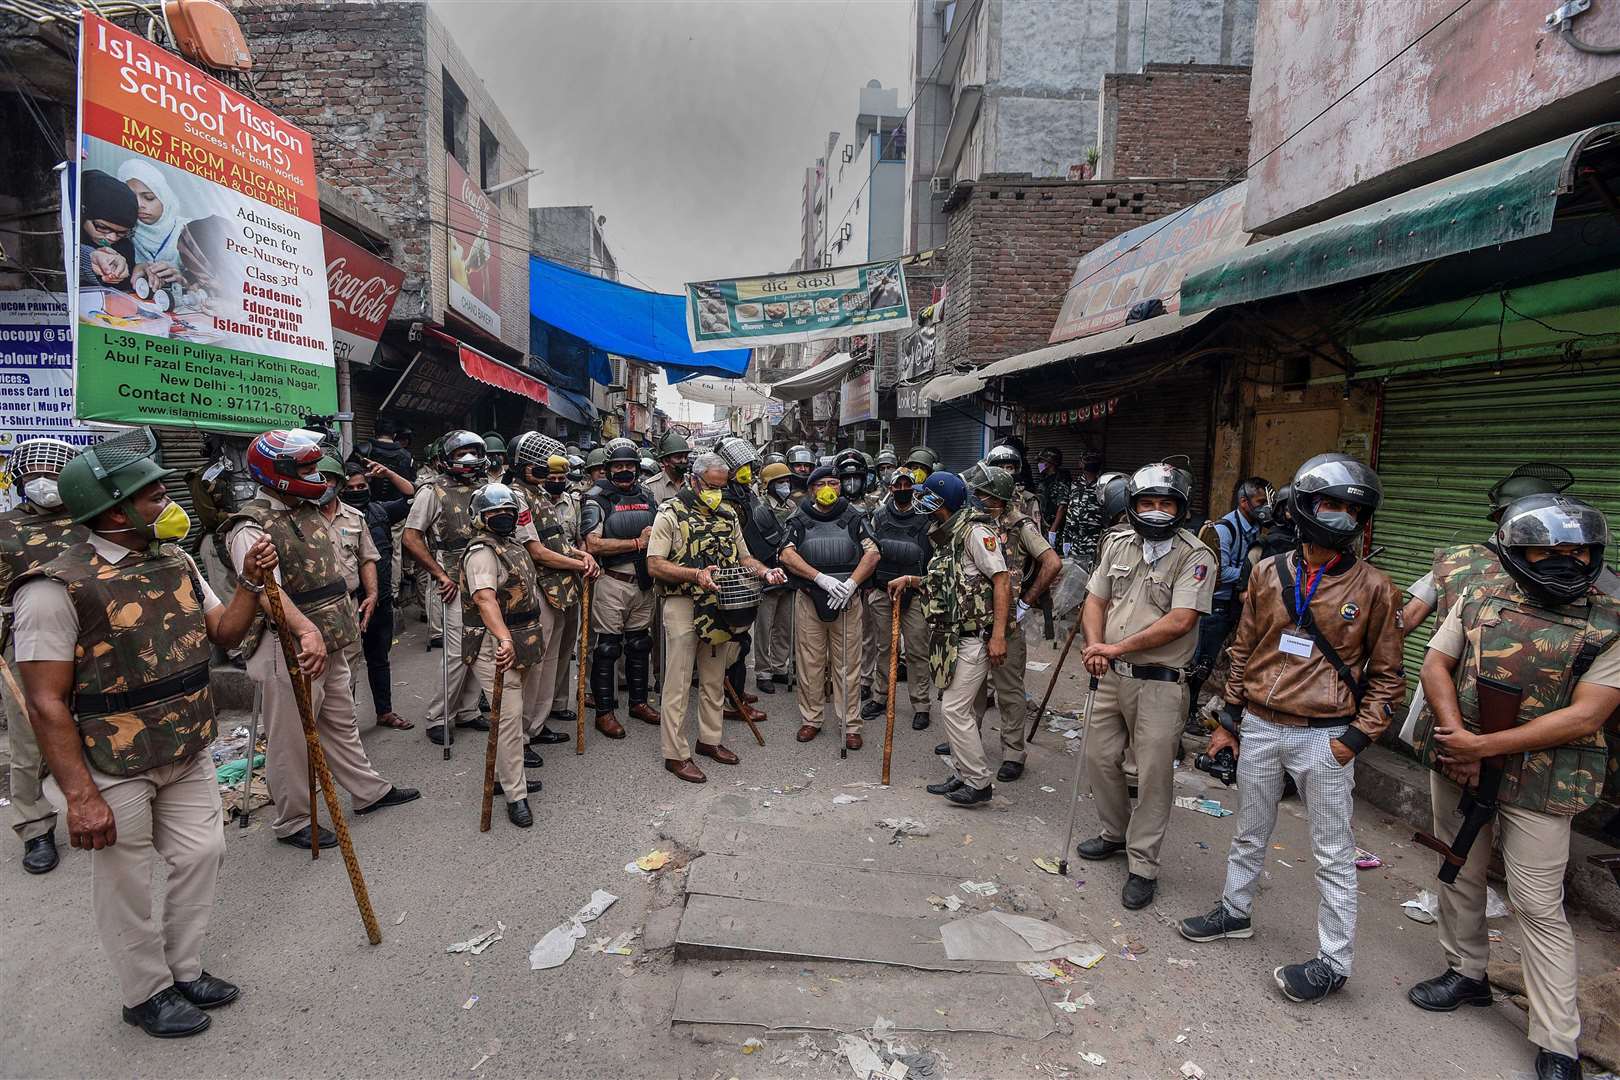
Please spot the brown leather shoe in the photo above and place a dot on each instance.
(590, 702)
(609, 725)
(756, 715)
(645, 713)
(807, 732)
(718, 753)
(852, 741)
(750, 699)
(685, 770)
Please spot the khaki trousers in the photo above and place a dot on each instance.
(773, 633)
(286, 766)
(619, 606)
(539, 690)
(869, 636)
(682, 652)
(517, 685)
(428, 590)
(1535, 854)
(960, 715)
(823, 647)
(173, 813)
(1008, 683)
(1149, 716)
(914, 637)
(32, 814)
(463, 684)
(565, 691)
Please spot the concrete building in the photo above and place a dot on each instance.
(1013, 86)
(572, 235)
(858, 211)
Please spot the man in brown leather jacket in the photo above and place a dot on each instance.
(1316, 675)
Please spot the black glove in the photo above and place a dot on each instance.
(1231, 719)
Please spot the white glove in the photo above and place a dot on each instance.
(1051, 538)
(1023, 609)
(1066, 549)
(826, 583)
(839, 597)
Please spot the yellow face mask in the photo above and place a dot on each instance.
(710, 497)
(826, 495)
(919, 475)
(172, 524)
(745, 475)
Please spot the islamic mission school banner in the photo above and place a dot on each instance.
(798, 306)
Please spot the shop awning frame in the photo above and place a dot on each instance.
(823, 376)
(1512, 198)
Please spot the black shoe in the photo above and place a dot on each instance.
(435, 734)
(1219, 923)
(436, 641)
(1010, 770)
(1098, 848)
(1551, 1066)
(394, 797)
(519, 814)
(782, 680)
(946, 786)
(1444, 993)
(1308, 982)
(764, 685)
(900, 675)
(167, 1015)
(39, 854)
(1138, 892)
(919, 721)
(1194, 727)
(547, 737)
(873, 710)
(208, 991)
(477, 723)
(1290, 789)
(943, 749)
(969, 796)
(532, 760)
(483, 701)
(565, 717)
(300, 839)
(533, 788)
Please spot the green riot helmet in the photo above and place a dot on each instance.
(110, 473)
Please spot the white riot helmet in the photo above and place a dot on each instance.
(533, 448)
(34, 465)
(736, 452)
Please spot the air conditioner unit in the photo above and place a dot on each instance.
(849, 153)
(939, 185)
(847, 232)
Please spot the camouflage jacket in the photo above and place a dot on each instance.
(706, 538)
(453, 526)
(557, 524)
(518, 595)
(1463, 570)
(1514, 639)
(141, 698)
(1083, 525)
(311, 572)
(29, 540)
(954, 605)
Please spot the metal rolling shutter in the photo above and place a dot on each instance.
(1448, 437)
(956, 432)
(181, 449)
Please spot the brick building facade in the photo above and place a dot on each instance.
(1144, 129)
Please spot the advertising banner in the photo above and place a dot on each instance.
(475, 233)
(909, 403)
(858, 398)
(799, 306)
(919, 351)
(201, 275)
(363, 289)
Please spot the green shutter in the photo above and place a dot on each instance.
(1448, 437)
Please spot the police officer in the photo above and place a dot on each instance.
(696, 533)
(357, 553)
(1052, 483)
(762, 536)
(1315, 675)
(495, 450)
(851, 467)
(801, 461)
(1006, 456)
(33, 534)
(1549, 635)
(828, 549)
(595, 470)
(887, 461)
(616, 520)
(967, 593)
(922, 462)
(441, 513)
(1141, 626)
(773, 626)
(901, 531)
(673, 454)
(1235, 538)
(321, 617)
(113, 647)
(383, 517)
(1032, 566)
(501, 620)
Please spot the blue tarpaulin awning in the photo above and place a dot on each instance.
(629, 322)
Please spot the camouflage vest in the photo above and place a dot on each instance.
(558, 529)
(29, 541)
(1514, 639)
(953, 607)
(518, 595)
(704, 538)
(1013, 551)
(453, 528)
(141, 698)
(311, 574)
(1465, 570)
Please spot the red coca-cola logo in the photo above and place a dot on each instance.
(367, 299)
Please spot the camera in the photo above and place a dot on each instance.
(1222, 766)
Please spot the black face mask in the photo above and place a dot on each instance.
(903, 499)
(625, 479)
(502, 524)
(555, 487)
(358, 499)
(1567, 578)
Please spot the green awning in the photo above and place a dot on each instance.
(1509, 199)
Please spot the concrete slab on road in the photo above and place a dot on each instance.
(865, 889)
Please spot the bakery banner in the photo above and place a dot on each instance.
(799, 306)
(363, 289)
(475, 233)
(202, 278)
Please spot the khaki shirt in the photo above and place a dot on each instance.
(1451, 637)
(1139, 595)
(484, 571)
(1025, 544)
(424, 518)
(663, 488)
(666, 536)
(985, 557)
(354, 545)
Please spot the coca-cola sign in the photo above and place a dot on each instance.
(363, 289)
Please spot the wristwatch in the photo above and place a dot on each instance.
(250, 587)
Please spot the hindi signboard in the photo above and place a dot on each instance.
(798, 306)
(201, 274)
(363, 289)
(475, 234)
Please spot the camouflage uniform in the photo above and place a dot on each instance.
(1024, 547)
(959, 602)
(1083, 525)
(503, 564)
(556, 525)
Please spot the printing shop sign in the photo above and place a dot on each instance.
(800, 306)
(36, 377)
(202, 276)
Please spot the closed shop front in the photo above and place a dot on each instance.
(181, 449)
(956, 432)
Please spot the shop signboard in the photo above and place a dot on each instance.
(909, 403)
(919, 351)
(798, 306)
(475, 237)
(858, 399)
(363, 289)
(202, 287)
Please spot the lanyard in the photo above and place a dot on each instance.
(1302, 600)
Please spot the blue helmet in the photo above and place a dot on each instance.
(942, 489)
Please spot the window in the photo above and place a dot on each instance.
(489, 153)
(455, 120)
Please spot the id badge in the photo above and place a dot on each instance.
(1296, 645)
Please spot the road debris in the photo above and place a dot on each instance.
(476, 944)
(902, 827)
(1073, 1006)
(400, 919)
(1191, 1071)
(1049, 865)
(752, 1046)
(1091, 1057)
(1044, 971)
(1176, 961)
(979, 888)
(1366, 860)
(845, 799)
(1423, 908)
(946, 903)
(1088, 956)
(653, 860)
(470, 1002)
(1203, 806)
(618, 945)
(557, 946)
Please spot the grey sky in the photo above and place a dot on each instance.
(688, 124)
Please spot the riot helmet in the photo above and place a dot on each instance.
(623, 461)
(773, 458)
(34, 466)
(851, 471)
(990, 481)
(495, 446)
(112, 473)
(463, 454)
(1104, 480)
(1547, 521)
(942, 490)
(1341, 478)
(740, 457)
(1159, 480)
(1112, 495)
(495, 507)
(1531, 478)
(801, 460)
(672, 442)
(1006, 457)
(922, 462)
(287, 462)
(532, 450)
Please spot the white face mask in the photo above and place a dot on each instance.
(781, 490)
(1157, 517)
(41, 491)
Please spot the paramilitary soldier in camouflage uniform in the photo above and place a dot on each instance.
(113, 645)
(501, 637)
(616, 519)
(673, 454)
(901, 531)
(762, 537)
(30, 536)
(1547, 637)
(321, 617)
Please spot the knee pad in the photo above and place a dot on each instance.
(638, 643)
(608, 648)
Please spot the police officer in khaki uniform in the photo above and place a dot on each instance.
(356, 551)
(30, 536)
(113, 648)
(773, 627)
(321, 617)
(616, 519)
(1141, 626)
(673, 454)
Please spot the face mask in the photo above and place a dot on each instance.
(1565, 575)
(173, 523)
(502, 524)
(1337, 520)
(903, 499)
(675, 469)
(1041, 468)
(919, 475)
(327, 496)
(1157, 517)
(745, 475)
(885, 474)
(358, 498)
(710, 498)
(850, 487)
(826, 496)
(41, 491)
(626, 478)
(781, 490)
(555, 487)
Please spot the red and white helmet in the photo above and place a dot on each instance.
(288, 462)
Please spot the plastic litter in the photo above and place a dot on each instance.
(1093, 1058)
(1044, 970)
(1037, 665)
(902, 827)
(1074, 1006)
(946, 903)
(1088, 956)
(862, 1056)
(751, 1046)
(618, 945)
(979, 888)
(653, 860)
(1423, 908)
(845, 799)
(1203, 806)
(1191, 1071)
(557, 946)
(478, 943)
(1049, 865)
(470, 1002)
(1366, 860)
(400, 920)
(231, 771)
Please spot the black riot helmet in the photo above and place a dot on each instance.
(464, 454)
(1282, 514)
(1340, 477)
(1111, 494)
(1531, 478)
(1549, 521)
(850, 467)
(623, 462)
(1162, 479)
(801, 459)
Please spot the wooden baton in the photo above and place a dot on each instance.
(584, 643)
(894, 677)
(489, 751)
(742, 710)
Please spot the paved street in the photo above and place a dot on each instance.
(318, 1000)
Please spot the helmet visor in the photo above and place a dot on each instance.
(1561, 521)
